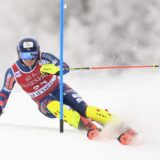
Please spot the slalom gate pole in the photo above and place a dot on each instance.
(61, 63)
(111, 67)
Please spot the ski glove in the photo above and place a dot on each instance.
(49, 69)
(1, 110)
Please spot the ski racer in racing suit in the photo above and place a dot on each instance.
(30, 71)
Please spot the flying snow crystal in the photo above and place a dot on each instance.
(65, 6)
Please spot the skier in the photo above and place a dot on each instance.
(37, 73)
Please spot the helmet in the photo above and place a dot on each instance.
(28, 49)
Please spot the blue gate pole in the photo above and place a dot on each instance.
(61, 62)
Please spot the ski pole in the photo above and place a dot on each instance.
(111, 67)
(61, 62)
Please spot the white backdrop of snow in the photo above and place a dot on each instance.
(134, 96)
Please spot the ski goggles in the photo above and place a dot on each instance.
(28, 55)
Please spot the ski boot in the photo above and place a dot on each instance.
(127, 137)
(92, 130)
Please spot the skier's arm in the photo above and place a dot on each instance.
(8, 85)
(49, 58)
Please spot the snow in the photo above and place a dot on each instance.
(134, 96)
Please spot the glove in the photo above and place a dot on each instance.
(49, 69)
(1, 110)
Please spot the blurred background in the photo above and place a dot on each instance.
(105, 32)
(97, 32)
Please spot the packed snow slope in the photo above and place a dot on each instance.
(134, 96)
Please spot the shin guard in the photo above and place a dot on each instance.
(69, 116)
(98, 115)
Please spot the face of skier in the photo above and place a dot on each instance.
(29, 63)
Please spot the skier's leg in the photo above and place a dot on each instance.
(50, 107)
(126, 134)
(75, 101)
(97, 114)
(73, 118)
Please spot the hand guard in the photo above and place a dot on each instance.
(49, 69)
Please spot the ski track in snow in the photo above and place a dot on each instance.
(27, 134)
